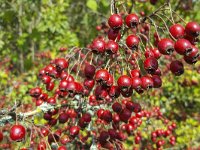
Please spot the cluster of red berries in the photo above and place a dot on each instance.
(94, 88)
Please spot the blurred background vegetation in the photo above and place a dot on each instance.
(32, 31)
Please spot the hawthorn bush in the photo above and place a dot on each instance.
(115, 93)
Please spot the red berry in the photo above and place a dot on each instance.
(137, 107)
(116, 118)
(177, 68)
(177, 31)
(148, 53)
(147, 82)
(111, 47)
(135, 73)
(74, 131)
(98, 46)
(192, 29)
(117, 107)
(150, 65)
(137, 84)
(35, 92)
(114, 92)
(44, 131)
(172, 138)
(130, 106)
(166, 46)
(62, 148)
(63, 117)
(100, 113)
(63, 49)
(63, 85)
(51, 100)
(159, 143)
(107, 116)
(102, 75)
(124, 82)
(66, 76)
(132, 41)
(86, 117)
(89, 83)
(64, 139)
(132, 20)
(112, 133)
(137, 139)
(133, 120)
(157, 81)
(41, 146)
(129, 128)
(156, 53)
(115, 21)
(183, 47)
(17, 132)
(193, 56)
(1, 136)
(104, 135)
(89, 71)
(50, 86)
(61, 64)
(124, 115)
(114, 35)
(46, 79)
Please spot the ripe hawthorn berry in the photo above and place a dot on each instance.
(129, 128)
(157, 81)
(115, 21)
(61, 64)
(111, 47)
(177, 67)
(102, 76)
(132, 41)
(117, 107)
(74, 131)
(1, 136)
(89, 83)
(183, 47)
(135, 73)
(62, 148)
(192, 29)
(104, 136)
(114, 92)
(132, 20)
(107, 116)
(98, 46)
(193, 56)
(150, 65)
(177, 31)
(137, 139)
(114, 35)
(124, 115)
(147, 82)
(137, 84)
(63, 117)
(166, 46)
(17, 132)
(156, 53)
(41, 146)
(89, 71)
(124, 82)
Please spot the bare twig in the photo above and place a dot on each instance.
(146, 17)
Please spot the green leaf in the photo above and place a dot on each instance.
(92, 4)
